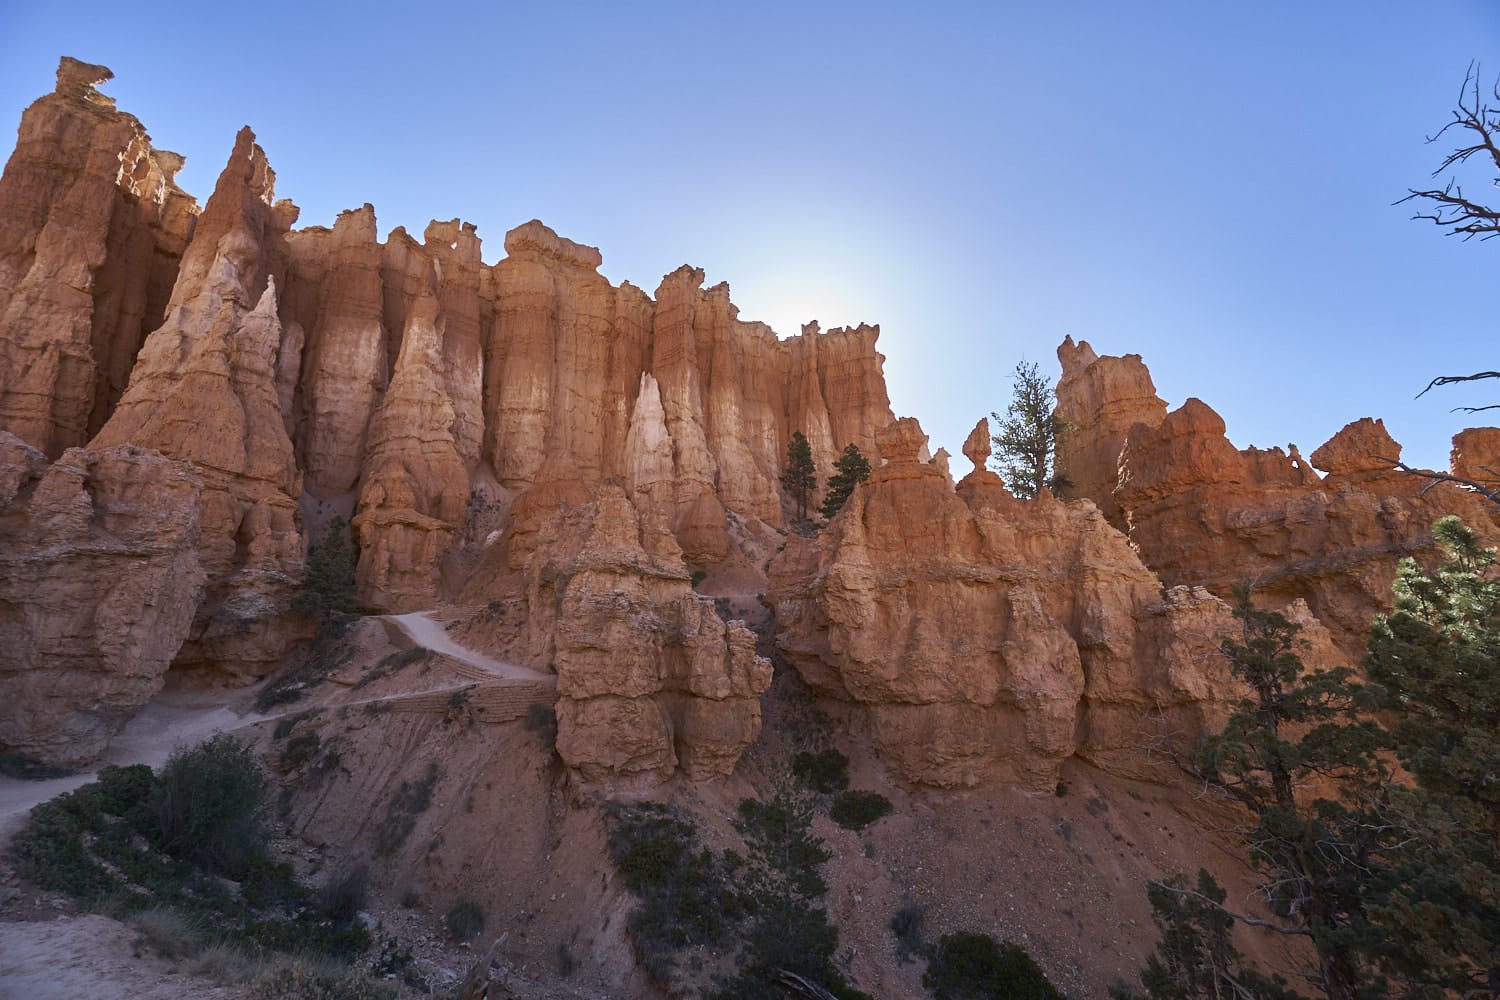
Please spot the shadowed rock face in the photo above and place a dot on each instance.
(650, 679)
(99, 576)
(1204, 513)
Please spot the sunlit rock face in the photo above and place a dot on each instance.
(99, 578)
(92, 226)
(980, 638)
(205, 390)
(1203, 513)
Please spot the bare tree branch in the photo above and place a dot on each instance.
(1490, 493)
(1455, 379)
(1252, 921)
(1478, 123)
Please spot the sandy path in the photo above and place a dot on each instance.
(425, 632)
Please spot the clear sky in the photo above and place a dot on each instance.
(1207, 184)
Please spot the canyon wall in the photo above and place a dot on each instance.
(1204, 513)
(439, 403)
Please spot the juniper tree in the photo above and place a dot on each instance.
(853, 469)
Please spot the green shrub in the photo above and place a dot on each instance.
(857, 810)
(390, 664)
(343, 896)
(14, 764)
(207, 804)
(967, 966)
(299, 748)
(302, 982)
(410, 800)
(542, 720)
(465, 921)
(826, 771)
(105, 844)
(906, 924)
(686, 895)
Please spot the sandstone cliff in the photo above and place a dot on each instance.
(91, 228)
(204, 390)
(99, 576)
(1204, 513)
(983, 638)
(649, 678)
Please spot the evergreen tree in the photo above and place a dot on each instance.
(853, 469)
(328, 578)
(1196, 957)
(1295, 735)
(1026, 443)
(800, 477)
(1436, 658)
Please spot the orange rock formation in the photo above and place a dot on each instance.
(980, 637)
(1204, 513)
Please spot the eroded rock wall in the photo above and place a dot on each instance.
(650, 679)
(99, 579)
(983, 638)
(92, 226)
(1203, 513)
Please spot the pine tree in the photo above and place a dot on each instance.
(853, 469)
(328, 578)
(1436, 658)
(1294, 734)
(1026, 442)
(1196, 957)
(800, 477)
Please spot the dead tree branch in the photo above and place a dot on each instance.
(1490, 493)
(1477, 123)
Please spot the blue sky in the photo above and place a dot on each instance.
(1207, 184)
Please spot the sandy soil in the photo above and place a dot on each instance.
(73, 957)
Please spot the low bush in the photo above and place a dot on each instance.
(25, 768)
(967, 966)
(306, 982)
(207, 803)
(465, 921)
(343, 896)
(392, 663)
(410, 800)
(857, 810)
(824, 771)
(687, 897)
(182, 855)
(906, 924)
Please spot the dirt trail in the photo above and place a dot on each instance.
(175, 719)
(426, 632)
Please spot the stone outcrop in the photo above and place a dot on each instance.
(92, 225)
(1100, 399)
(1476, 457)
(416, 488)
(983, 638)
(650, 679)
(99, 577)
(205, 390)
(1203, 513)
